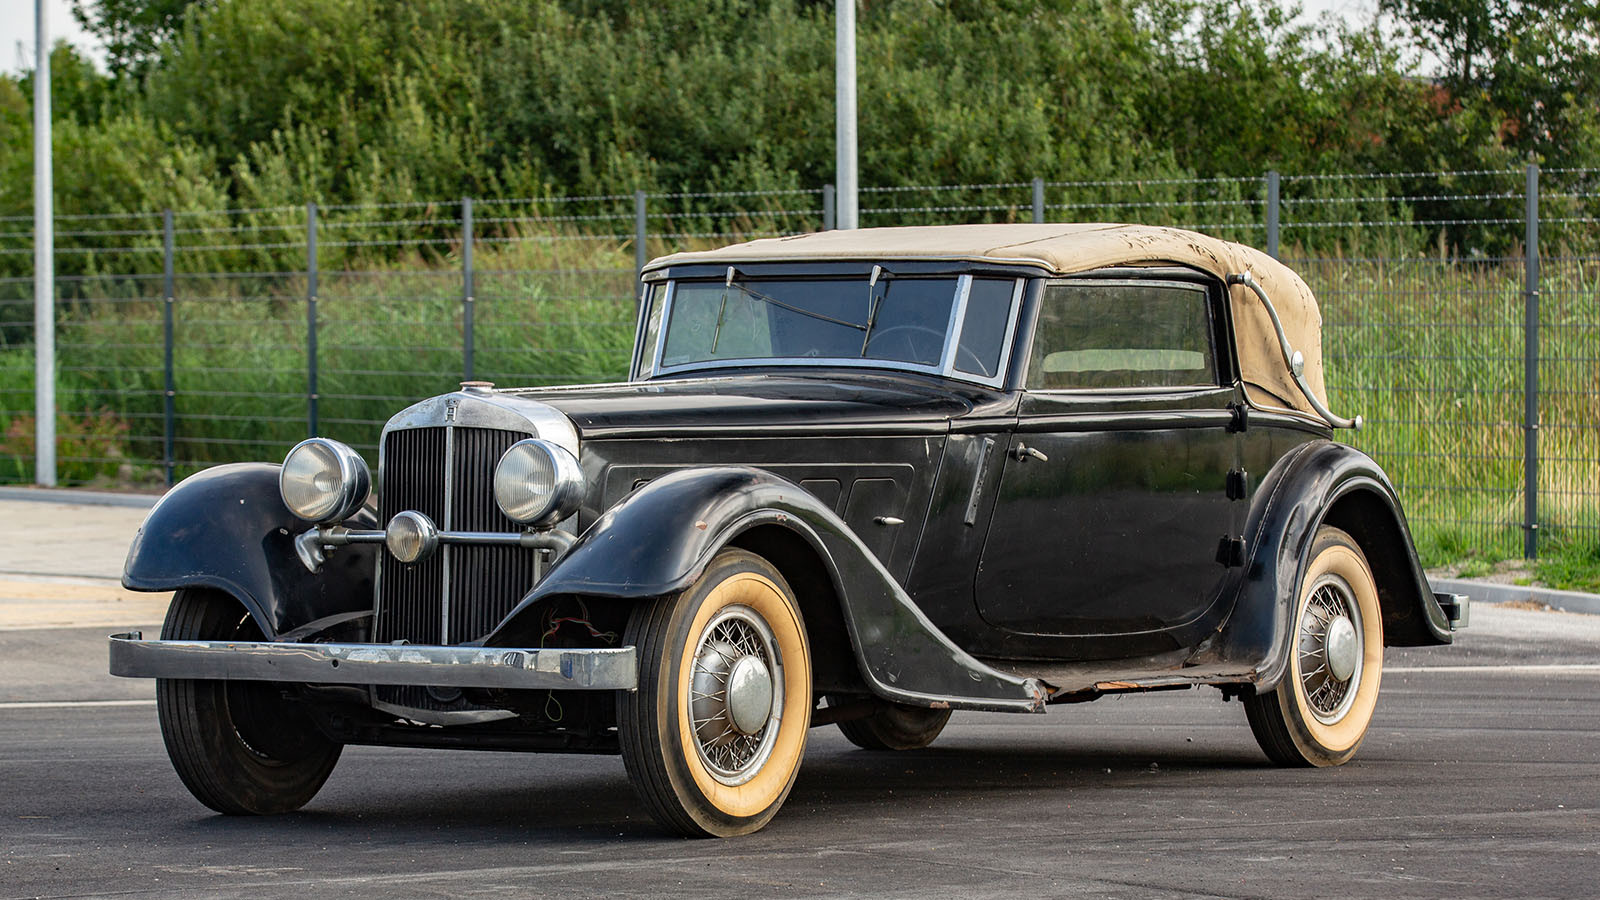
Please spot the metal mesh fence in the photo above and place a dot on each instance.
(193, 338)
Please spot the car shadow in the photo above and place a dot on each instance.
(399, 798)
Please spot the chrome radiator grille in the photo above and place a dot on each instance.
(462, 591)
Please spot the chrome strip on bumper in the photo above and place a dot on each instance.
(404, 664)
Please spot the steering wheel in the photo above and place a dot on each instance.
(906, 334)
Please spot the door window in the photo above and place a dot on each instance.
(1096, 334)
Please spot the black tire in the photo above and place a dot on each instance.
(895, 726)
(738, 622)
(1314, 717)
(238, 746)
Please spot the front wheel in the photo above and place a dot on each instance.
(238, 746)
(713, 736)
(1319, 713)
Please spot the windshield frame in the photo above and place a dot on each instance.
(647, 369)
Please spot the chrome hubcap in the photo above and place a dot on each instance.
(749, 695)
(736, 694)
(1329, 648)
(1344, 651)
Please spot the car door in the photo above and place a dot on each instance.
(1113, 518)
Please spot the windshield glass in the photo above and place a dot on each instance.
(903, 320)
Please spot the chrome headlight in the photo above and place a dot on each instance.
(324, 481)
(538, 483)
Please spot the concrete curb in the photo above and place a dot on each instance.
(82, 498)
(1491, 592)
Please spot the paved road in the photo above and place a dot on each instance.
(1476, 782)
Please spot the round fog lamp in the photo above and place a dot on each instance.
(411, 536)
(538, 483)
(324, 481)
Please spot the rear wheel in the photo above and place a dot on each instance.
(1319, 713)
(894, 726)
(238, 746)
(713, 736)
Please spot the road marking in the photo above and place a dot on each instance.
(1531, 668)
(70, 704)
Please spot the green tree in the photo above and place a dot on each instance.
(1532, 64)
(133, 31)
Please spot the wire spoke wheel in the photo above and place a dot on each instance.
(736, 695)
(1319, 714)
(713, 736)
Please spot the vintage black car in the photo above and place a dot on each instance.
(857, 477)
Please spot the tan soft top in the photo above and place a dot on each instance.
(1069, 249)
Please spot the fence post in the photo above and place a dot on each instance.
(1530, 374)
(640, 226)
(467, 288)
(169, 292)
(830, 212)
(1272, 213)
(311, 318)
(1038, 201)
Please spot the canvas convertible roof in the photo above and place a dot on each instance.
(1070, 249)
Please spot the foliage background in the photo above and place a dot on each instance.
(262, 103)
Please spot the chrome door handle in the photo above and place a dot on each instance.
(1023, 451)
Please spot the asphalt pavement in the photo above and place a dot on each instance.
(1478, 779)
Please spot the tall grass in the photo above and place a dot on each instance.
(1428, 349)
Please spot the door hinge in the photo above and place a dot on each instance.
(1240, 417)
(1238, 484)
(1230, 551)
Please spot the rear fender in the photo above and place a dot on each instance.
(227, 528)
(1323, 482)
(660, 538)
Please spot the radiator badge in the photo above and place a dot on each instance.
(450, 409)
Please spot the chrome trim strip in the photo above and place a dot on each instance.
(1292, 357)
(401, 664)
(958, 319)
(444, 553)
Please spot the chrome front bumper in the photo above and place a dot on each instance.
(402, 664)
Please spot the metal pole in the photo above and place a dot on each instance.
(1530, 375)
(1038, 201)
(830, 214)
(845, 111)
(640, 232)
(44, 262)
(1272, 213)
(311, 319)
(169, 291)
(467, 289)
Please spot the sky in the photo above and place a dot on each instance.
(16, 26)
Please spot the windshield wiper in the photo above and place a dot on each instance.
(754, 294)
(873, 302)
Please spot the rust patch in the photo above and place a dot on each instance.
(700, 525)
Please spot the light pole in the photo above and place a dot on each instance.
(845, 111)
(44, 270)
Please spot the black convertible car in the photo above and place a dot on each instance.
(862, 478)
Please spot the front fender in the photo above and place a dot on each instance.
(1323, 482)
(227, 528)
(660, 538)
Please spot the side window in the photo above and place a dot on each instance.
(983, 330)
(651, 331)
(1122, 335)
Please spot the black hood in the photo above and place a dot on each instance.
(780, 402)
